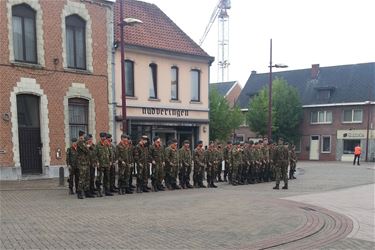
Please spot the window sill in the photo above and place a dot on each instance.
(352, 122)
(132, 97)
(79, 71)
(27, 65)
(154, 99)
(175, 101)
(321, 123)
(325, 152)
(195, 102)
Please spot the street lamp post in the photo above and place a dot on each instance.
(270, 92)
(123, 22)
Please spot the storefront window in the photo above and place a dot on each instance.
(349, 146)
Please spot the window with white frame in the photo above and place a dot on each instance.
(24, 33)
(76, 41)
(321, 117)
(153, 90)
(353, 115)
(195, 85)
(174, 83)
(326, 144)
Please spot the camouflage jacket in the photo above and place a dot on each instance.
(123, 154)
(282, 153)
(142, 155)
(227, 155)
(171, 157)
(157, 154)
(199, 157)
(93, 156)
(237, 156)
(185, 157)
(83, 158)
(71, 156)
(102, 152)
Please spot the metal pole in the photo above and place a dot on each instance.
(123, 92)
(368, 128)
(270, 96)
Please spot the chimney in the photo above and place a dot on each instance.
(314, 71)
(253, 72)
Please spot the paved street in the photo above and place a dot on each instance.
(329, 206)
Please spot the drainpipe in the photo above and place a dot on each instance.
(114, 103)
(368, 128)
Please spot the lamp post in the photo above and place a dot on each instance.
(130, 22)
(270, 92)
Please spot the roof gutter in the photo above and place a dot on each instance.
(338, 104)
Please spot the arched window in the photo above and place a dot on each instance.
(24, 33)
(75, 42)
(174, 83)
(78, 116)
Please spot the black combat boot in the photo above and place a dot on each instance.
(88, 194)
(100, 193)
(120, 191)
(128, 191)
(276, 186)
(213, 185)
(79, 195)
(175, 186)
(188, 185)
(285, 186)
(145, 189)
(108, 193)
(71, 190)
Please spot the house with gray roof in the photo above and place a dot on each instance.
(230, 90)
(338, 108)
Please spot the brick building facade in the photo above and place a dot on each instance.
(54, 68)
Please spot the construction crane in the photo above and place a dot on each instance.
(220, 13)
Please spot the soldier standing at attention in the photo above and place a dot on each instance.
(211, 155)
(112, 166)
(236, 162)
(171, 165)
(199, 165)
(227, 157)
(83, 161)
(124, 156)
(102, 152)
(282, 156)
(218, 167)
(132, 167)
(185, 159)
(93, 164)
(158, 163)
(266, 160)
(293, 162)
(71, 162)
(143, 160)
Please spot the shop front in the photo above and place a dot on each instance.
(347, 140)
(167, 123)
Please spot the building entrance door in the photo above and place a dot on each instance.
(314, 147)
(30, 145)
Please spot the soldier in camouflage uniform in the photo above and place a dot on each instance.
(93, 164)
(143, 160)
(257, 162)
(212, 161)
(293, 162)
(251, 174)
(247, 163)
(282, 157)
(132, 169)
(218, 167)
(199, 158)
(124, 160)
(185, 162)
(266, 161)
(272, 160)
(103, 155)
(112, 169)
(171, 165)
(83, 161)
(71, 162)
(227, 157)
(236, 163)
(158, 163)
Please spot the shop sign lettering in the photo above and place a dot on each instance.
(165, 112)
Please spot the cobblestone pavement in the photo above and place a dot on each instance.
(38, 214)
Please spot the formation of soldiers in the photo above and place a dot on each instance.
(93, 168)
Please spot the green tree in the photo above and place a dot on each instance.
(223, 118)
(286, 111)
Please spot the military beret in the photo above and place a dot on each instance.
(200, 142)
(156, 138)
(144, 137)
(74, 140)
(186, 142)
(251, 142)
(87, 138)
(103, 135)
(89, 135)
(125, 136)
(81, 133)
(109, 136)
(229, 142)
(237, 143)
(260, 141)
(174, 140)
(211, 142)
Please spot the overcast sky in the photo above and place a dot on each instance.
(304, 32)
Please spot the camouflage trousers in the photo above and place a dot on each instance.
(83, 178)
(73, 177)
(210, 173)
(282, 172)
(184, 175)
(198, 174)
(157, 175)
(103, 178)
(142, 175)
(171, 173)
(124, 171)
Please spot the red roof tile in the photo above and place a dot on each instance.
(157, 31)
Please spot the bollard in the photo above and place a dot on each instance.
(61, 176)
